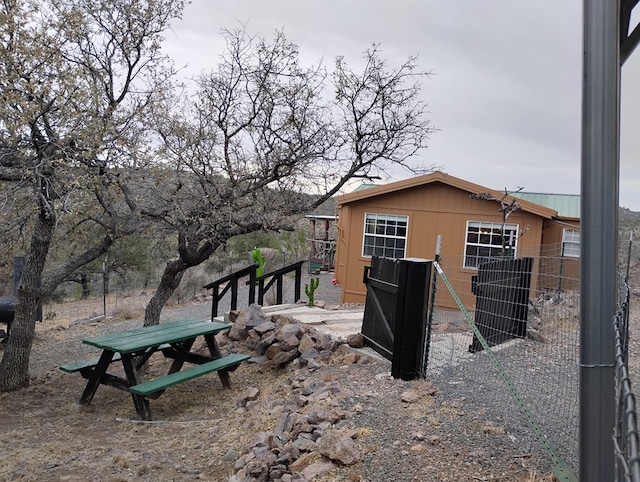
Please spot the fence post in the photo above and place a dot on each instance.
(18, 268)
(296, 288)
(407, 361)
(104, 287)
(432, 302)
(599, 204)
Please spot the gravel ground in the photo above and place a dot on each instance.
(544, 374)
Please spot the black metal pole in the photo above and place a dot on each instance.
(599, 236)
(626, 274)
(104, 287)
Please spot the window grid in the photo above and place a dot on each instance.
(484, 242)
(385, 235)
(570, 243)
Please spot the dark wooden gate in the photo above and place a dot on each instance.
(395, 312)
(502, 291)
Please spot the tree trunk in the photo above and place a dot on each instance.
(14, 367)
(173, 272)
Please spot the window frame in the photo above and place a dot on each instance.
(513, 228)
(572, 242)
(372, 216)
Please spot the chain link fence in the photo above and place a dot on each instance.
(626, 437)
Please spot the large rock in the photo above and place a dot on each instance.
(306, 343)
(290, 343)
(257, 319)
(257, 469)
(318, 469)
(288, 330)
(535, 335)
(355, 340)
(304, 461)
(265, 343)
(272, 351)
(284, 357)
(308, 355)
(281, 319)
(264, 327)
(338, 447)
(326, 343)
(238, 331)
(250, 317)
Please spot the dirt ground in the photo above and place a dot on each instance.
(199, 430)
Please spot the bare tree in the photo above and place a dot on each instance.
(506, 208)
(76, 79)
(267, 139)
(382, 118)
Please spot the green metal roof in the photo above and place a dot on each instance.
(567, 205)
(364, 186)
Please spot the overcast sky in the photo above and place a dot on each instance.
(506, 94)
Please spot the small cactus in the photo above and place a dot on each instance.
(260, 261)
(310, 288)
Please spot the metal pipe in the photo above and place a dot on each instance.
(599, 236)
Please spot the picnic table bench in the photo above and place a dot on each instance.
(133, 349)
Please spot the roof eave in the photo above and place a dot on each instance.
(453, 181)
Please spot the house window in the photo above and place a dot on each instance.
(571, 243)
(385, 235)
(487, 241)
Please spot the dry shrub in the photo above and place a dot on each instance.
(423, 408)
(273, 259)
(129, 313)
(271, 296)
(191, 286)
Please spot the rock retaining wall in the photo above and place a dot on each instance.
(313, 435)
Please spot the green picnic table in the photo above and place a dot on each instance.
(133, 349)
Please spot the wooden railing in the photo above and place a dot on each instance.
(264, 283)
(231, 281)
(277, 277)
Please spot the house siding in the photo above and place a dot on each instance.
(558, 273)
(433, 209)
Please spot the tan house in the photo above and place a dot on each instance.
(404, 218)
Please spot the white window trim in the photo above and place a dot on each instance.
(489, 225)
(385, 215)
(566, 234)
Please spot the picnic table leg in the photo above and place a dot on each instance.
(140, 401)
(96, 377)
(214, 349)
(176, 366)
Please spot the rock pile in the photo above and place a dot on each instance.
(552, 311)
(312, 435)
(278, 340)
(310, 440)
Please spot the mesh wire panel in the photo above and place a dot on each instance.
(542, 365)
